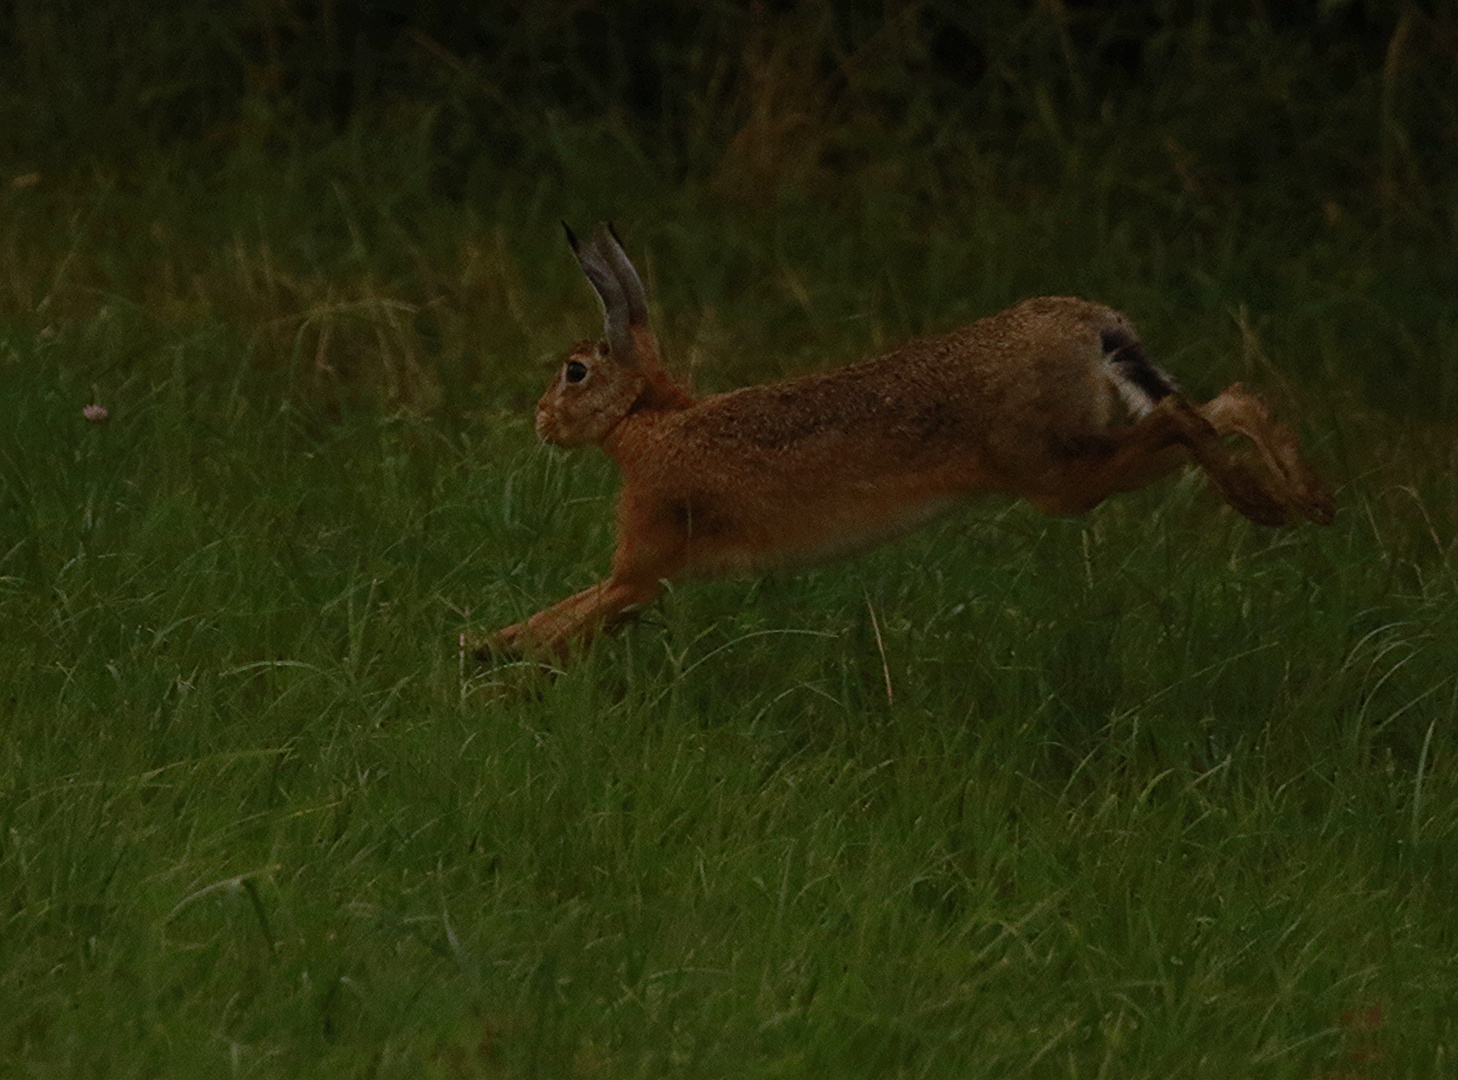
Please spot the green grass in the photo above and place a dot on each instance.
(1152, 793)
(1156, 793)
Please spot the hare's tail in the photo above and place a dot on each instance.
(1140, 384)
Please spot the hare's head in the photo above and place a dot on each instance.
(600, 382)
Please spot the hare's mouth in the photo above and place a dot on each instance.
(550, 429)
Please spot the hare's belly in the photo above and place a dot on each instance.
(793, 529)
(845, 530)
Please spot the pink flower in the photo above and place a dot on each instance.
(96, 414)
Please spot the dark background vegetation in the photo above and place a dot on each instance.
(1355, 98)
(1214, 148)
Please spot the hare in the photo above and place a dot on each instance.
(1052, 400)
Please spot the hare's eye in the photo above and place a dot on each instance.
(575, 370)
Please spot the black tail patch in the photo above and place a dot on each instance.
(1125, 352)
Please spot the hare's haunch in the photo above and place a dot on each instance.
(1052, 400)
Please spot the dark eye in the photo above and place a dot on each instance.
(575, 370)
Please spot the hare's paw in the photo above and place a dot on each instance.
(1313, 500)
(1243, 488)
(1299, 486)
(508, 643)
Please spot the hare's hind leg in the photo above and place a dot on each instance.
(1158, 443)
(1238, 411)
(1168, 430)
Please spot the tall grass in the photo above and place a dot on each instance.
(1151, 793)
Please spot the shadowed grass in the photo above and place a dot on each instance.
(1156, 791)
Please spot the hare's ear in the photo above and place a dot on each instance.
(618, 287)
(611, 246)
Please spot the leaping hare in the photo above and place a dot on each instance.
(1052, 400)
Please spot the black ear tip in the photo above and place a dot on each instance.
(571, 237)
(613, 232)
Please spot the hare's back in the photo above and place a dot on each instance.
(996, 389)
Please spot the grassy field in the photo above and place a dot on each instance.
(1153, 793)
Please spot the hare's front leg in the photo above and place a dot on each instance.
(652, 547)
(570, 621)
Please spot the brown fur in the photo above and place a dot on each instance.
(1022, 403)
